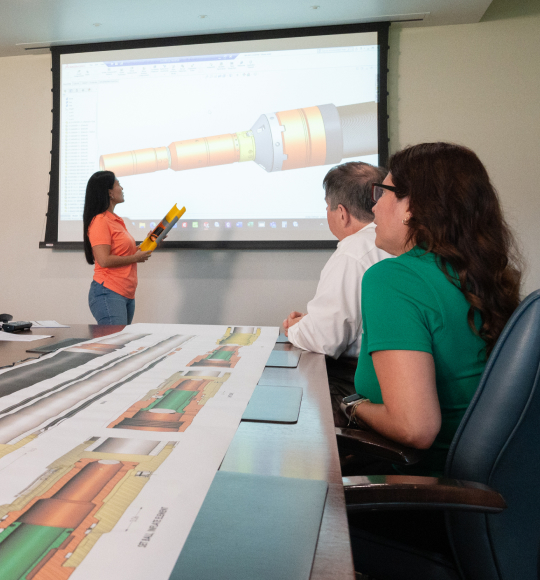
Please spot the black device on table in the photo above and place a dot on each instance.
(16, 326)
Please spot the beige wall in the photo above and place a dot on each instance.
(475, 84)
(478, 85)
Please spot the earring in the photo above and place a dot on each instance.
(405, 222)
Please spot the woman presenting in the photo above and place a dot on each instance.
(432, 316)
(109, 246)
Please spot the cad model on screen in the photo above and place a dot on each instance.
(307, 137)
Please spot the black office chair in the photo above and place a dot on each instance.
(497, 446)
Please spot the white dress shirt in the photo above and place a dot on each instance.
(333, 324)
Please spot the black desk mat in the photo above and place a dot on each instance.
(254, 527)
(56, 345)
(273, 404)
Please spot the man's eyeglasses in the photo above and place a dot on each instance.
(377, 191)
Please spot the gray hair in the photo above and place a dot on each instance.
(349, 184)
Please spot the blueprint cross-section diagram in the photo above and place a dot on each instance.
(107, 449)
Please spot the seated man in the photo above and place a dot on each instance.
(333, 323)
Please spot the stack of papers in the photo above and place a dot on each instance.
(47, 324)
(17, 337)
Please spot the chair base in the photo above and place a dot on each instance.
(401, 546)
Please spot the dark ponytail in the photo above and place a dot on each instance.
(97, 201)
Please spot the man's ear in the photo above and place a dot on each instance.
(344, 215)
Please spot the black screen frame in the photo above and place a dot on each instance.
(51, 228)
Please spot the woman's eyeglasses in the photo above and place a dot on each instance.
(377, 191)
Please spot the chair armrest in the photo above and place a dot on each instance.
(414, 492)
(360, 441)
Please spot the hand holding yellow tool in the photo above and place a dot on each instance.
(161, 230)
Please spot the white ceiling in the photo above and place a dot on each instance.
(28, 24)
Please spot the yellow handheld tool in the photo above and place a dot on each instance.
(161, 230)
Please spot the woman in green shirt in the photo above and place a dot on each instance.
(432, 315)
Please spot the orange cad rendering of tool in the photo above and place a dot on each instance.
(278, 141)
(161, 230)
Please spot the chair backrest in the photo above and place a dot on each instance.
(498, 444)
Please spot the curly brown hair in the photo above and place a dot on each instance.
(456, 214)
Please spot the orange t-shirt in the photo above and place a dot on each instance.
(109, 229)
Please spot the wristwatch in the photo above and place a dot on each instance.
(348, 404)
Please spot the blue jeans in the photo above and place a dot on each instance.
(109, 307)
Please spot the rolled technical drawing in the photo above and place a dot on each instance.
(50, 521)
(130, 446)
(224, 356)
(162, 229)
(24, 376)
(307, 137)
(29, 418)
(173, 405)
(46, 534)
(242, 335)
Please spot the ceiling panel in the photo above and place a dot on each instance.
(28, 24)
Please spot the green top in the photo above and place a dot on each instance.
(409, 304)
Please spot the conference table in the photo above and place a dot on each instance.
(306, 449)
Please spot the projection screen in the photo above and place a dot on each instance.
(239, 128)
